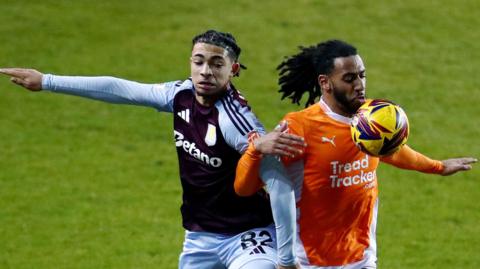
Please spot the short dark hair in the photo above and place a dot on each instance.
(221, 39)
(224, 40)
(298, 73)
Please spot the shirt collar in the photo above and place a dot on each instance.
(333, 115)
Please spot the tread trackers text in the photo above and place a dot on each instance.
(357, 167)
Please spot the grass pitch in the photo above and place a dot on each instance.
(90, 185)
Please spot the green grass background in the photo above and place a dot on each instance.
(85, 184)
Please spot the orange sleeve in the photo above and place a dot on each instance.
(247, 181)
(407, 158)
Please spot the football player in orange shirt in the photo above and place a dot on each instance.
(335, 183)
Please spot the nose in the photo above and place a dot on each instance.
(359, 84)
(206, 70)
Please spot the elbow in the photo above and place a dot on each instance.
(243, 190)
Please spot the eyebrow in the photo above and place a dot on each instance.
(215, 57)
(354, 73)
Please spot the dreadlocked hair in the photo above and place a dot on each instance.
(299, 73)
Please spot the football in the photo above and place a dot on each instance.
(380, 127)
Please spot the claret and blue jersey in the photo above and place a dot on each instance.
(209, 143)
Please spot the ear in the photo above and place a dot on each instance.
(235, 69)
(324, 82)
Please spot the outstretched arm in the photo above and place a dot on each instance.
(407, 158)
(107, 89)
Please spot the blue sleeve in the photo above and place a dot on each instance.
(282, 201)
(237, 122)
(115, 90)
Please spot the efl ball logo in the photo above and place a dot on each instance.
(380, 127)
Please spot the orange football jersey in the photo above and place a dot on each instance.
(336, 187)
(337, 190)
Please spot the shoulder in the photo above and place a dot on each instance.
(235, 112)
(300, 121)
(237, 121)
(165, 93)
(311, 113)
(175, 86)
(296, 118)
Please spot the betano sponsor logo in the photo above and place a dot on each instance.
(357, 167)
(191, 149)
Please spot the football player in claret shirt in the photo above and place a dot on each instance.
(335, 183)
(212, 123)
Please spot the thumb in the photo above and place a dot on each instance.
(17, 81)
(466, 167)
(282, 126)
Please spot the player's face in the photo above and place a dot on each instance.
(211, 71)
(347, 83)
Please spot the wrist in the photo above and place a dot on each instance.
(438, 167)
(252, 151)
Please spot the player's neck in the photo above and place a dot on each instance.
(335, 107)
(204, 100)
(208, 100)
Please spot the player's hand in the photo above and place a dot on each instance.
(280, 142)
(289, 267)
(30, 79)
(451, 166)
